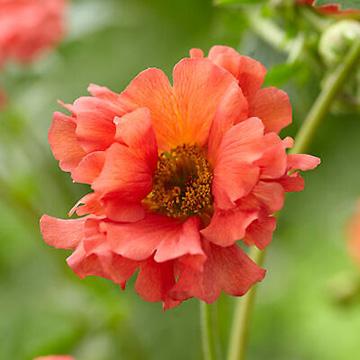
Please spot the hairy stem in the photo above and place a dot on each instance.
(209, 334)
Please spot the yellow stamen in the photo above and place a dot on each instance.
(182, 183)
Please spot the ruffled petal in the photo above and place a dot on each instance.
(104, 93)
(196, 53)
(199, 88)
(273, 162)
(117, 209)
(292, 183)
(226, 269)
(129, 165)
(226, 227)
(249, 72)
(135, 131)
(88, 204)
(182, 114)
(158, 234)
(89, 168)
(186, 241)
(232, 109)
(302, 162)
(62, 234)
(95, 128)
(93, 257)
(63, 142)
(270, 194)
(273, 107)
(260, 232)
(235, 173)
(154, 282)
(124, 173)
(152, 89)
(103, 264)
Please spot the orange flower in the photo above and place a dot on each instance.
(180, 172)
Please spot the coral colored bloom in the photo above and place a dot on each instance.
(354, 235)
(333, 9)
(180, 172)
(29, 27)
(55, 357)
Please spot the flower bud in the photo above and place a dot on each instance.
(337, 40)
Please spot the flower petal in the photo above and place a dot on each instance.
(89, 168)
(226, 227)
(94, 123)
(273, 107)
(226, 269)
(302, 162)
(273, 163)
(104, 93)
(154, 282)
(292, 183)
(199, 88)
(260, 232)
(270, 194)
(93, 256)
(102, 263)
(155, 233)
(129, 165)
(135, 131)
(62, 234)
(249, 72)
(124, 173)
(151, 89)
(186, 241)
(117, 209)
(235, 174)
(63, 142)
(232, 109)
(88, 204)
(196, 53)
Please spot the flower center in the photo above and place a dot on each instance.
(182, 183)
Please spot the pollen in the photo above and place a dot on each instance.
(182, 183)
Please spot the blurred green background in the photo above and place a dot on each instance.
(45, 308)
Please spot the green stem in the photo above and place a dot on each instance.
(209, 346)
(239, 336)
(241, 321)
(323, 103)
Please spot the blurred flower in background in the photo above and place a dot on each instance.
(29, 27)
(354, 235)
(55, 357)
(332, 9)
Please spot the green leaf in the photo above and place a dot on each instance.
(344, 4)
(281, 73)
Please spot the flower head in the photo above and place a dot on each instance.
(180, 172)
(28, 27)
